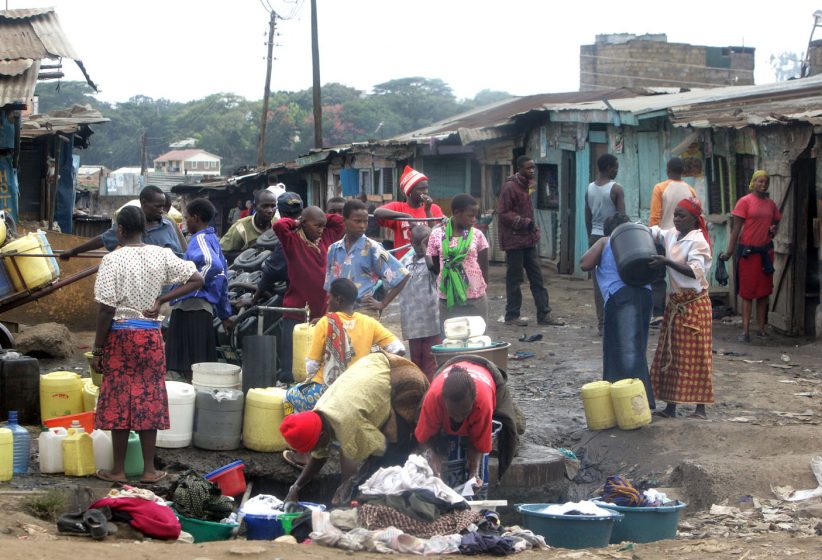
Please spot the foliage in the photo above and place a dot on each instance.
(228, 125)
(47, 506)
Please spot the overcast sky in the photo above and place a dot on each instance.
(187, 49)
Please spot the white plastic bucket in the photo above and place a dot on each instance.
(181, 397)
(216, 375)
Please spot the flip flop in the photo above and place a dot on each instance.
(95, 522)
(532, 338)
(160, 476)
(663, 414)
(105, 475)
(696, 416)
(288, 457)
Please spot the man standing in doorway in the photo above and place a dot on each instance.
(664, 199)
(604, 198)
(518, 237)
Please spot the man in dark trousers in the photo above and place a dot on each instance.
(518, 237)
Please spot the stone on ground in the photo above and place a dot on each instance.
(47, 339)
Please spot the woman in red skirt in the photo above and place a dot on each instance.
(128, 349)
(755, 218)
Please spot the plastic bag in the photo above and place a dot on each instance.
(721, 273)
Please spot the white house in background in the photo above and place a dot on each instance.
(188, 162)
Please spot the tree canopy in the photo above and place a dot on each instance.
(228, 125)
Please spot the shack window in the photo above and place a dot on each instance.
(745, 167)
(547, 186)
(496, 178)
(719, 191)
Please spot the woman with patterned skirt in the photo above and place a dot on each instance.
(128, 348)
(682, 368)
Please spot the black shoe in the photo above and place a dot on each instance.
(550, 321)
(72, 523)
(95, 522)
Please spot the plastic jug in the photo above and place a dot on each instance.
(19, 387)
(45, 247)
(633, 246)
(91, 393)
(50, 446)
(302, 342)
(22, 444)
(61, 394)
(630, 404)
(216, 375)
(181, 398)
(218, 419)
(599, 411)
(6, 454)
(463, 328)
(78, 452)
(263, 415)
(134, 457)
(103, 450)
(29, 272)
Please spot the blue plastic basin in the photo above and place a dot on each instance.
(569, 531)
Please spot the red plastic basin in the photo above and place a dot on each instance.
(86, 420)
(230, 478)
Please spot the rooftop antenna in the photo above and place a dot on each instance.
(806, 63)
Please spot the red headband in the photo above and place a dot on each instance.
(693, 206)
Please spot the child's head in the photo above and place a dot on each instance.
(198, 214)
(313, 220)
(342, 295)
(419, 239)
(464, 210)
(355, 213)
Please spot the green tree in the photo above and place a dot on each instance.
(417, 101)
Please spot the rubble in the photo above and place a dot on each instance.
(53, 340)
(765, 516)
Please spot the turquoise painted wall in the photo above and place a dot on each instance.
(581, 237)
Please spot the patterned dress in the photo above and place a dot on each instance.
(133, 394)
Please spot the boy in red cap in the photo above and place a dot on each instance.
(418, 205)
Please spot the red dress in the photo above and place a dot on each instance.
(759, 214)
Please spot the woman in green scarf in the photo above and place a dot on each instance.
(458, 252)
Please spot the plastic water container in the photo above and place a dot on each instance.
(463, 328)
(103, 450)
(22, 444)
(78, 452)
(91, 393)
(134, 457)
(599, 411)
(50, 446)
(263, 416)
(20, 387)
(302, 342)
(6, 455)
(229, 478)
(181, 399)
(61, 394)
(218, 419)
(483, 341)
(6, 287)
(45, 247)
(29, 272)
(216, 375)
(633, 246)
(630, 404)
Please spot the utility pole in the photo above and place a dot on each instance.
(272, 26)
(315, 60)
(143, 153)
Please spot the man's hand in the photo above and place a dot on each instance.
(658, 261)
(66, 255)
(427, 201)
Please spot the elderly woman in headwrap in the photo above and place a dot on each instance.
(682, 368)
(755, 218)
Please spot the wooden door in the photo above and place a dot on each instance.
(567, 211)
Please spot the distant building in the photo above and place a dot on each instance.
(188, 162)
(92, 177)
(625, 60)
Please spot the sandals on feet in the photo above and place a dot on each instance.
(743, 337)
(288, 457)
(158, 476)
(106, 475)
(663, 414)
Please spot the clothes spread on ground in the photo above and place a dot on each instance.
(198, 498)
(381, 517)
(386, 541)
(143, 510)
(420, 504)
(416, 474)
(478, 543)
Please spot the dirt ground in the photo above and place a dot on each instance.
(762, 431)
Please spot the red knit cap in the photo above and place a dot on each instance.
(410, 177)
(302, 430)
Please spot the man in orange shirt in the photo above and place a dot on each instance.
(664, 199)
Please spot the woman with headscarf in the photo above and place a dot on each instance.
(755, 218)
(682, 368)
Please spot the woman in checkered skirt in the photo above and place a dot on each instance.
(682, 368)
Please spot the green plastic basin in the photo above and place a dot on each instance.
(645, 524)
(569, 531)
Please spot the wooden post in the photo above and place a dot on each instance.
(272, 26)
(315, 62)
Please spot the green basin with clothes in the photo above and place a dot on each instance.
(569, 531)
(644, 524)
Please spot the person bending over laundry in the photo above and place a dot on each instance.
(363, 261)
(371, 411)
(466, 394)
(419, 304)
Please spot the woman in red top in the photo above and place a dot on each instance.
(419, 205)
(755, 218)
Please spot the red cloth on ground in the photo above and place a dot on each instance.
(753, 282)
(306, 264)
(422, 356)
(133, 394)
(759, 215)
(151, 519)
(402, 229)
(477, 427)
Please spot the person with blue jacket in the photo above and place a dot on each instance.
(191, 338)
